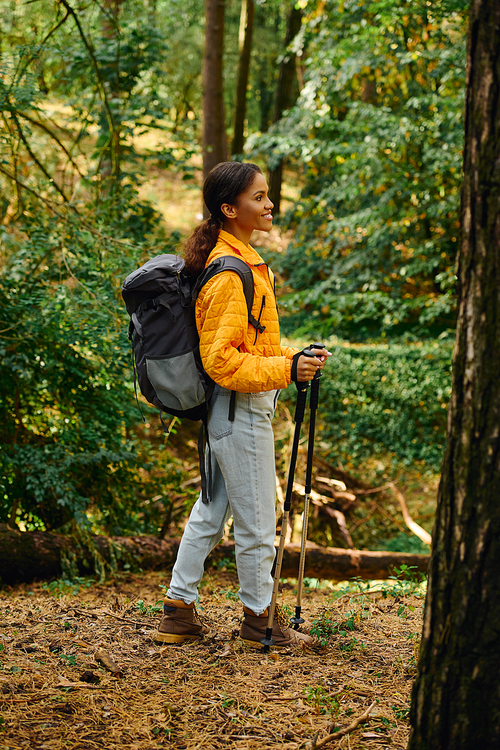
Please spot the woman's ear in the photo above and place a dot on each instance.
(228, 210)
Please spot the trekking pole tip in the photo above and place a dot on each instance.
(268, 640)
(297, 620)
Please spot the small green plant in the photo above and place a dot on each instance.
(323, 627)
(407, 580)
(321, 700)
(230, 594)
(388, 723)
(227, 702)
(70, 659)
(401, 713)
(2, 724)
(227, 564)
(67, 587)
(149, 609)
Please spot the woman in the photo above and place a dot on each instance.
(252, 363)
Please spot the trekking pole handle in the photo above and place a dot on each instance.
(311, 353)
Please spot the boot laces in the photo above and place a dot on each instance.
(282, 618)
(197, 617)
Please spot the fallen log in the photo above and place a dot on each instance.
(26, 556)
(336, 564)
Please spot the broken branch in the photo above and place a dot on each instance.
(314, 744)
(412, 525)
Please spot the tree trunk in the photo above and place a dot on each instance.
(214, 127)
(109, 165)
(283, 98)
(29, 555)
(456, 697)
(245, 51)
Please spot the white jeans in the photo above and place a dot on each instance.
(243, 486)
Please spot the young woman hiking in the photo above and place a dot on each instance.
(252, 363)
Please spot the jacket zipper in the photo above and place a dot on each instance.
(262, 305)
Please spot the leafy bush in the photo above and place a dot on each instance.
(385, 399)
(70, 446)
(378, 133)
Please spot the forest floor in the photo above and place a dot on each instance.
(79, 669)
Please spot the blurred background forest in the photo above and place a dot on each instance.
(355, 109)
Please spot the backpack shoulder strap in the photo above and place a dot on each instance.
(230, 263)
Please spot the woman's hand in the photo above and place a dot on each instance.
(308, 366)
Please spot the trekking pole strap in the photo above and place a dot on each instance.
(300, 406)
(206, 481)
(313, 405)
(314, 398)
(299, 418)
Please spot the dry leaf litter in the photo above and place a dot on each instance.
(79, 669)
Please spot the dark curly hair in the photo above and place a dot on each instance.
(224, 183)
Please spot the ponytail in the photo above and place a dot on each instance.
(200, 244)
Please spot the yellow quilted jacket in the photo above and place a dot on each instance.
(233, 353)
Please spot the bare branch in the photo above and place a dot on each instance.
(315, 744)
(35, 158)
(412, 525)
(100, 83)
(51, 203)
(49, 132)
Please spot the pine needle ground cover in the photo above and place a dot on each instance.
(79, 669)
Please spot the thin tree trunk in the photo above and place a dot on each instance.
(214, 128)
(456, 697)
(109, 166)
(245, 51)
(283, 99)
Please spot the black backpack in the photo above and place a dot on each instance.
(160, 299)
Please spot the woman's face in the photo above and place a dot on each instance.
(252, 210)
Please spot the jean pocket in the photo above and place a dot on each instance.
(219, 425)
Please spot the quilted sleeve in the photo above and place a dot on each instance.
(222, 322)
(289, 351)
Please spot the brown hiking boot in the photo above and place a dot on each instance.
(180, 622)
(253, 629)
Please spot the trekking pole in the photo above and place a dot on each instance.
(313, 405)
(268, 640)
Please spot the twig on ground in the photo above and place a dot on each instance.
(314, 744)
(280, 697)
(123, 619)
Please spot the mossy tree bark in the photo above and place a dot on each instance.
(456, 696)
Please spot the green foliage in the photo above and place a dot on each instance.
(406, 543)
(323, 627)
(150, 610)
(65, 587)
(70, 445)
(321, 700)
(90, 101)
(378, 132)
(385, 399)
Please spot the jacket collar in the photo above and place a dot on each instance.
(247, 252)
